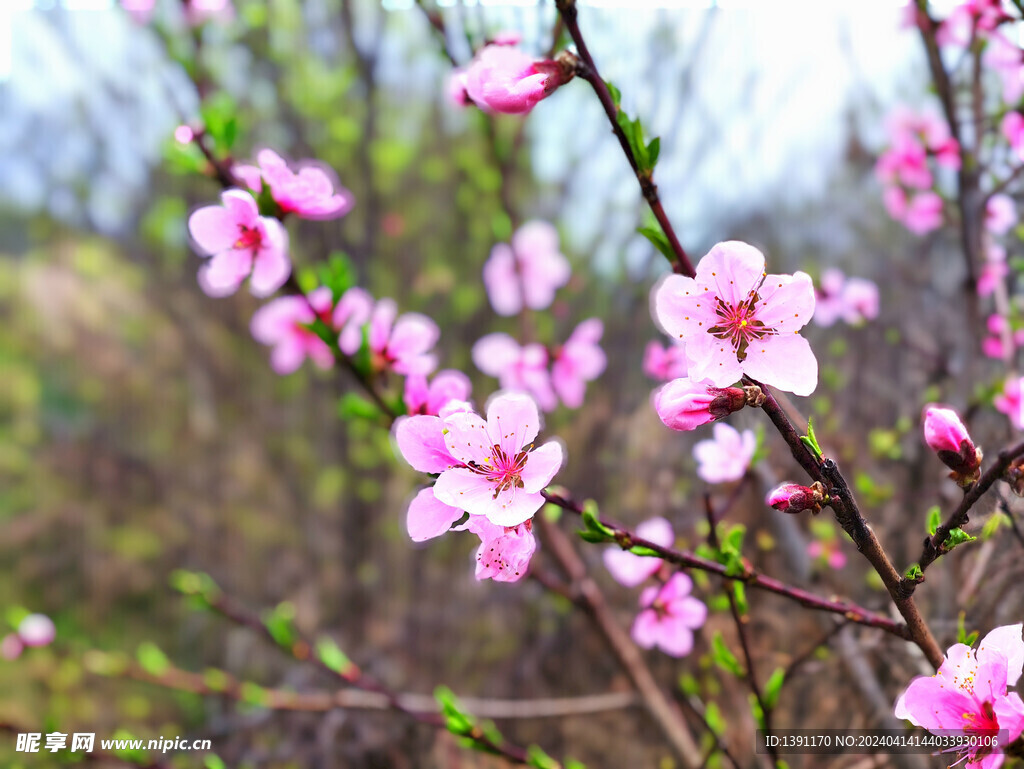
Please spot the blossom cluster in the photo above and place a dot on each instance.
(852, 300)
(489, 478)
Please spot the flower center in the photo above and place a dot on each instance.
(249, 238)
(503, 470)
(739, 324)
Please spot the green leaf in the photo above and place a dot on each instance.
(644, 551)
(536, 757)
(934, 519)
(756, 711)
(713, 715)
(723, 657)
(456, 721)
(811, 440)
(254, 694)
(328, 652)
(595, 531)
(993, 524)
(279, 623)
(615, 92)
(740, 595)
(213, 761)
(657, 238)
(653, 151)
(338, 273)
(957, 537)
(152, 659)
(914, 572)
(773, 687)
(355, 406)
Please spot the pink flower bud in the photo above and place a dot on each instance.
(793, 498)
(36, 630)
(502, 78)
(946, 435)
(686, 405)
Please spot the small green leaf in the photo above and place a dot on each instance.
(914, 572)
(644, 551)
(595, 531)
(254, 694)
(957, 537)
(993, 524)
(723, 657)
(537, 758)
(152, 659)
(934, 519)
(615, 92)
(740, 595)
(653, 151)
(332, 656)
(811, 440)
(213, 761)
(773, 687)
(352, 405)
(659, 241)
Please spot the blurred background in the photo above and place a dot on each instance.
(142, 430)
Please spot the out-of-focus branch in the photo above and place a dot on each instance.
(585, 593)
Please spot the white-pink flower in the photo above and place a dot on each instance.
(529, 271)
(498, 473)
(630, 570)
(664, 363)
(971, 694)
(578, 361)
(735, 320)
(284, 323)
(402, 343)
(447, 386)
(669, 616)
(309, 193)
(519, 368)
(240, 243)
(36, 630)
(726, 456)
(1000, 214)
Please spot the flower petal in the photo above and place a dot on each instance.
(732, 269)
(428, 517)
(422, 444)
(541, 466)
(512, 422)
(785, 361)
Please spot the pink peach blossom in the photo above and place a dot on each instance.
(736, 320)
(200, 11)
(1010, 402)
(505, 551)
(239, 241)
(498, 473)
(726, 456)
(664, 363)
(351, 314)
(11, 647)
(578, 361)
(669, 616)
(36, 630)
(855, 300)
(630, 570)
(428, 517)
(683, 404)
(924, 213)
(528, 271)
(971, 693)
(993, 270)
(447, 385)
(402, 343)
(1006, 58)
(522, 369)
(1013, 129)
(502, 78)
(284, 323)
(309, 193)
(1000, 214)
(141, 11)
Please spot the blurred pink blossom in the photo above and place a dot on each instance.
(239, 242)
(200, 11)
(1013, 129)
(522, 369)
(855, 300)
(664, 362)
(11, 647)
(446, 386)
(284, 324)
(141, 11)
(993, 270)
(1010, 402)
(668, 617)
(827, 551)
(531, 269)
(309, 193)
(630, 570)
(726, 456)
(735, 319)
(402, 343)
(502, 78)
(578, 361)
(37, 630)
(1000, 214)
(1006, 58)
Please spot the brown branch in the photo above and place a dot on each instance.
(934, 546)
(587, 69)
(586, 594)
(844, 505)
(750, 577)
(741, 630)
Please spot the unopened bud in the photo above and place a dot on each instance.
(946, 435)
(686, 405)
(1014, 476)
(793, 498)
